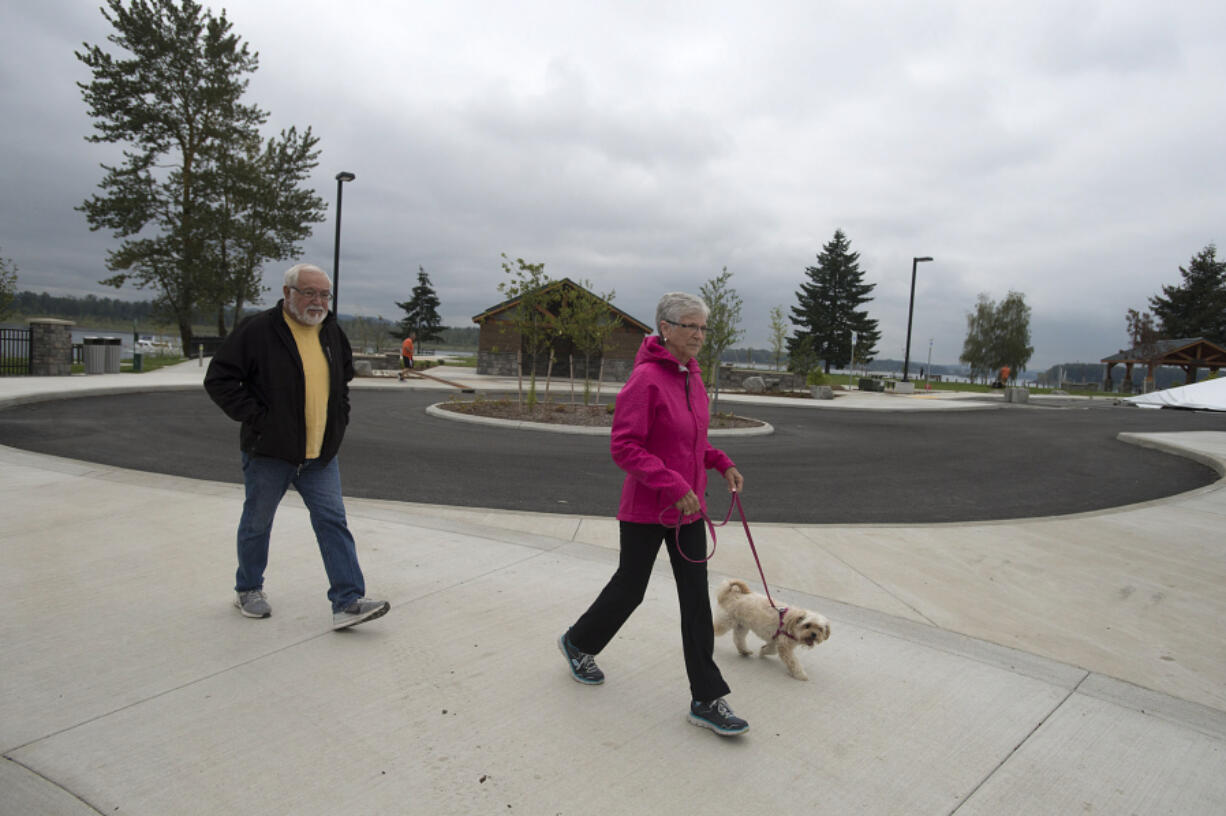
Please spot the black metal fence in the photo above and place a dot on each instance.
(14, 352)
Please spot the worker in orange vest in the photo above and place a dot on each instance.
(406, 355)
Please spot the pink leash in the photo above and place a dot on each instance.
(736, 502)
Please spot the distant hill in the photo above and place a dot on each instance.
(114, 314)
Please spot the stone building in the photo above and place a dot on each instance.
(500, 342)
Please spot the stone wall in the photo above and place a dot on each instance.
(734, 378)
(504, 364)
(50, 347)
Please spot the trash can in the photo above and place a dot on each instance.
(114, 350)
(136, 362)
(95, 355)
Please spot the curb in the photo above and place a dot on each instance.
(520, 425)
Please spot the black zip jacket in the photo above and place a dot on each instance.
(256, 378)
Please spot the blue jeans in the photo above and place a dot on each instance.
(319, 485)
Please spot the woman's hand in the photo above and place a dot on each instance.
(689, 504)
(736, 483)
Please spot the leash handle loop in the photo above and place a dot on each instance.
(736, 502)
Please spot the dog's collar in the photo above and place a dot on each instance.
(781, 631)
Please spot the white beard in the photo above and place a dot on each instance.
(304, 317)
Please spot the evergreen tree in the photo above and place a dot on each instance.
(827, 309)
(1197, 307)
(420, 312)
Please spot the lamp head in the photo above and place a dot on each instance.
(920, 260)
(345, 175)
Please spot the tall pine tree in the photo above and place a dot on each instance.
(420, 312)
(1197, 308)
(827, 309)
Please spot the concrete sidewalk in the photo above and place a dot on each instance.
(1059, 665)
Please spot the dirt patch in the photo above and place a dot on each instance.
(559, 413)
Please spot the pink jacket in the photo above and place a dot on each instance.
(660, 436)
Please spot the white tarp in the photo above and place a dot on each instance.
(1209, 395)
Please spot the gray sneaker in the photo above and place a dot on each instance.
(359, 611)
(717, 716)
(253, 603)
(582, 665)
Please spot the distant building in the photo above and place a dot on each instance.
(500, 344)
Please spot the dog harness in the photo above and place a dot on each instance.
(781, 631)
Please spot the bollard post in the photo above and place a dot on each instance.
(200, 355)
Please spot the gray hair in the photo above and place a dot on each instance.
(291, 274)
(675, 305)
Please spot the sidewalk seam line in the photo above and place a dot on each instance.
(52, 783)
(1013, 752)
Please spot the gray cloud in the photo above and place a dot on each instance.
(1067, 152)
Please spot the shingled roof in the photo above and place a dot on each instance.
(564, 282)
(1179, 352)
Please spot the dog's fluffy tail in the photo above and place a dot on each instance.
(733, 586)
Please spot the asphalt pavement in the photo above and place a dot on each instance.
(1060, 663)
(817, 467)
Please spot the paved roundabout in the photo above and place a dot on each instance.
(817, 467)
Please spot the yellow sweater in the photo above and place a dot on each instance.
(315, 369)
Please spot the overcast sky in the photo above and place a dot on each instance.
(1070, 151)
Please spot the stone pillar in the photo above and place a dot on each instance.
(50, 347)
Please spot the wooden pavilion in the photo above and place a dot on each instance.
(1188, 353)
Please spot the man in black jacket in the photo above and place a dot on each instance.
(284, 374)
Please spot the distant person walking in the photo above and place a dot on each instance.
(406, 355)
(284, 374)
(660, 439)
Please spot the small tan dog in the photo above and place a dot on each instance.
(743, 611)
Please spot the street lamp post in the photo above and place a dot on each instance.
(341, 178)
(906, 361)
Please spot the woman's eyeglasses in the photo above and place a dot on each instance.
(691, 326)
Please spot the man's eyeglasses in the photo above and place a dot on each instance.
(311, 294)
(691, 326)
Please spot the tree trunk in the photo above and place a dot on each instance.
(572, 378)
(238, 311)
(548, 373)
(599, 379)
(587, 379)
(185, 337)
(519, 365)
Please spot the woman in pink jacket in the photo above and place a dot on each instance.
(660, 440)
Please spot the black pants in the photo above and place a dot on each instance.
(621, 596)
